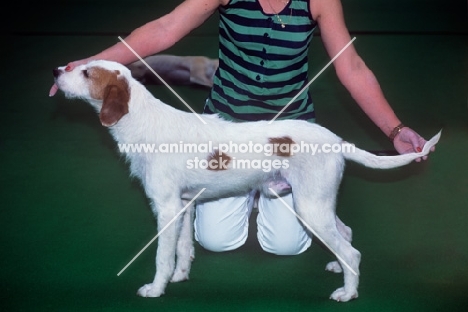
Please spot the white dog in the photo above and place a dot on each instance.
(171, 180)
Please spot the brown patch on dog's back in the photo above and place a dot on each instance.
(218, 161)
(282, 146)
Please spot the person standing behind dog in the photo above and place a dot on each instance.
(263, 49)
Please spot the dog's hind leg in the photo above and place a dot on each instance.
(314, 197)
(344, 230)
(347, 234)
(169, 227)
(317, 212)
(185, 250)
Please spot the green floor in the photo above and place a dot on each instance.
(71, 218)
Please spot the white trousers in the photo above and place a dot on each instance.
(222, 225)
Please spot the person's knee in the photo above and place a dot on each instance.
(286, 245)
(279, 231)
(222, 225)
(221, 243)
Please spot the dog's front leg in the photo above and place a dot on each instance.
(169, 228)
(185, 248)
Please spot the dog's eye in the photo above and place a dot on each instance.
(85, 73)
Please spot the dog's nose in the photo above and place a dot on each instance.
(56, 72)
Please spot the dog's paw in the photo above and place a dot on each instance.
(334, 267)
(180, 276)
(150, 291)
(341, 295)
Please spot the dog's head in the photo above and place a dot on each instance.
(103, 84)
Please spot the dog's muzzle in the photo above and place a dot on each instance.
(56, 72)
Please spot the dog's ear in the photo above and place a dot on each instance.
(114, 105)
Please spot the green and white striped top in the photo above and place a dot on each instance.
(262, 65)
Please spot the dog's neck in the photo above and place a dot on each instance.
(150, 120)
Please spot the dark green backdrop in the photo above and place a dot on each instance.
(71, 218)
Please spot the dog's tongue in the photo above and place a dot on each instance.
(53, 90)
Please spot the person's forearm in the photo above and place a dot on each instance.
(366, 91)
(146, 40)
(160, 34)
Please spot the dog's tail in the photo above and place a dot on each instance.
(386, 162)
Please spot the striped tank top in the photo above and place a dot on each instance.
(262, 65)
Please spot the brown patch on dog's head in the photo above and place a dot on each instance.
(218, 161)
(282, 146)
(114, 105)
(112, 90)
